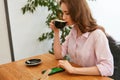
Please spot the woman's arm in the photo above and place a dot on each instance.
(103, 54)
(78, 70)
(86, 70)
(56, 46)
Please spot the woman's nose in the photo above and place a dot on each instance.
(64, 17)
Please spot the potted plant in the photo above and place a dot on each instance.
(54, 13)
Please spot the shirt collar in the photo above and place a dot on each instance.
(86, 35)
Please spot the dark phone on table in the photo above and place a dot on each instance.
(54, 70)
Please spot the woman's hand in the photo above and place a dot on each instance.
(52, 26)
(66, 65)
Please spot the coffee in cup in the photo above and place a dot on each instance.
(59, 23)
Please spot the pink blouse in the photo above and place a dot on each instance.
(90, 49)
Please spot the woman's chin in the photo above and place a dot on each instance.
(71, 25)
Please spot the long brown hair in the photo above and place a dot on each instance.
(80, 14)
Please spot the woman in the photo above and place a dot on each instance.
(86, 43)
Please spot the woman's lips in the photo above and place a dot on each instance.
(68, 24)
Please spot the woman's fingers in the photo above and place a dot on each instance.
(52, 26)
(62, 63)
(66, 65)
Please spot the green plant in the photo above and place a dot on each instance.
(54, 12)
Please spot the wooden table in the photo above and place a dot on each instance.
(19, 71)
